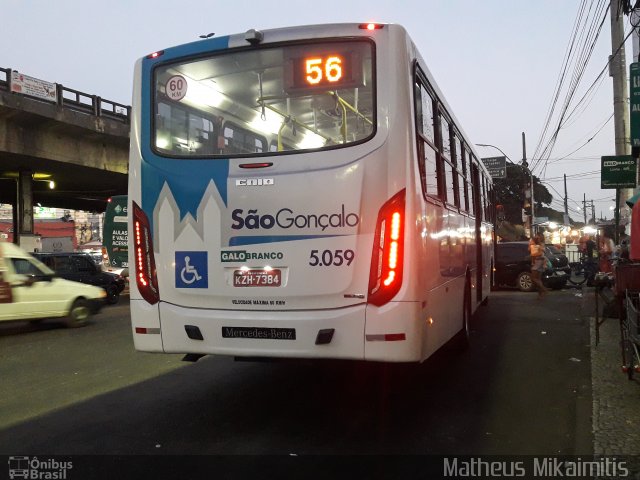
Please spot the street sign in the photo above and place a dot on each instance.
(497, 166)
(634, 103)
(618, 172)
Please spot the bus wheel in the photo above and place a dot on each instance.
(78, 314)
(462, 338)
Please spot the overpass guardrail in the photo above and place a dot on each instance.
(65, 97)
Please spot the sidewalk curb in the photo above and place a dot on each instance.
(616, 400)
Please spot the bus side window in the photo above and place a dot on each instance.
(180, 130)
(239, 140)
(449, 189)
(202, 133)
(425, 124)
(472, 196)
(427, 120)
(485, 199)
(449, 181)
(462, 179)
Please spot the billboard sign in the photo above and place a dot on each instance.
(33, 87)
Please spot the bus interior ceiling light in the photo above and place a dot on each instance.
(254, 36)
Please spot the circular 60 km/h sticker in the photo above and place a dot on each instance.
(176, 87)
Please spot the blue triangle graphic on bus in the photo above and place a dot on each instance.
(187, 180)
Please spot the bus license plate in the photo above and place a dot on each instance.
(257, 278)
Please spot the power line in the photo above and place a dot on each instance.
(560, 124)
(575, 159)
(584, 144)
(561, 196)
(580, 105)
(573, 175)
(561, 77)
(580, 61)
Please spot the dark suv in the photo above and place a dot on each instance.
(513, 267)
(80, 267)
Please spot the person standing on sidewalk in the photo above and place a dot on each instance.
(606, 251)
(538, 263)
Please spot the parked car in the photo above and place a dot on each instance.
(35, 292)
(558, 259)
(80, 267)
(513, 267)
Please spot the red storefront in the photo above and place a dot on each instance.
(47, 229)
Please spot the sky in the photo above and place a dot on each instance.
(496, 61)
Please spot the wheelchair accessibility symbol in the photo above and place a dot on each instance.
(191, 270)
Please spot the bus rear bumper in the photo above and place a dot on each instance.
(361, 332)
(146, 330)
(394, 332)
(292, 334)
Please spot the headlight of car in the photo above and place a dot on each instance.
(103, 294)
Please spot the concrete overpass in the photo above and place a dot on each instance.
(51, 133)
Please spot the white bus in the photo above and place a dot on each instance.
(303, 192)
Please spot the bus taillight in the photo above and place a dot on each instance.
(145, 265)
(385, 277)
(370, 26)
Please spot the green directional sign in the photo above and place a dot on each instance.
(497, 166)
(634, 103)
(116, 232)
(618, 172)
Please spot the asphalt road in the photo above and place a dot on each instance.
(523, 388)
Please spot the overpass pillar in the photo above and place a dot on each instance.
(24, 233)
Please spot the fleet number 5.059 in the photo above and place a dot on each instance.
(328, 258)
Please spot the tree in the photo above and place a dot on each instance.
(510, 193)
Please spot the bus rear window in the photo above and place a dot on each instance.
(268, 100)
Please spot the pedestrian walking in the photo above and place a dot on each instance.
(538, 263)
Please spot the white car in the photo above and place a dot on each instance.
(33, 292)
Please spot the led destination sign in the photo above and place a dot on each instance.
(312, 68)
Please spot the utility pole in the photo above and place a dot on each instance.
(584, 209)
(566, 202)
(618, 71)
(635, 37)
(528, 192)
(635, 20)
